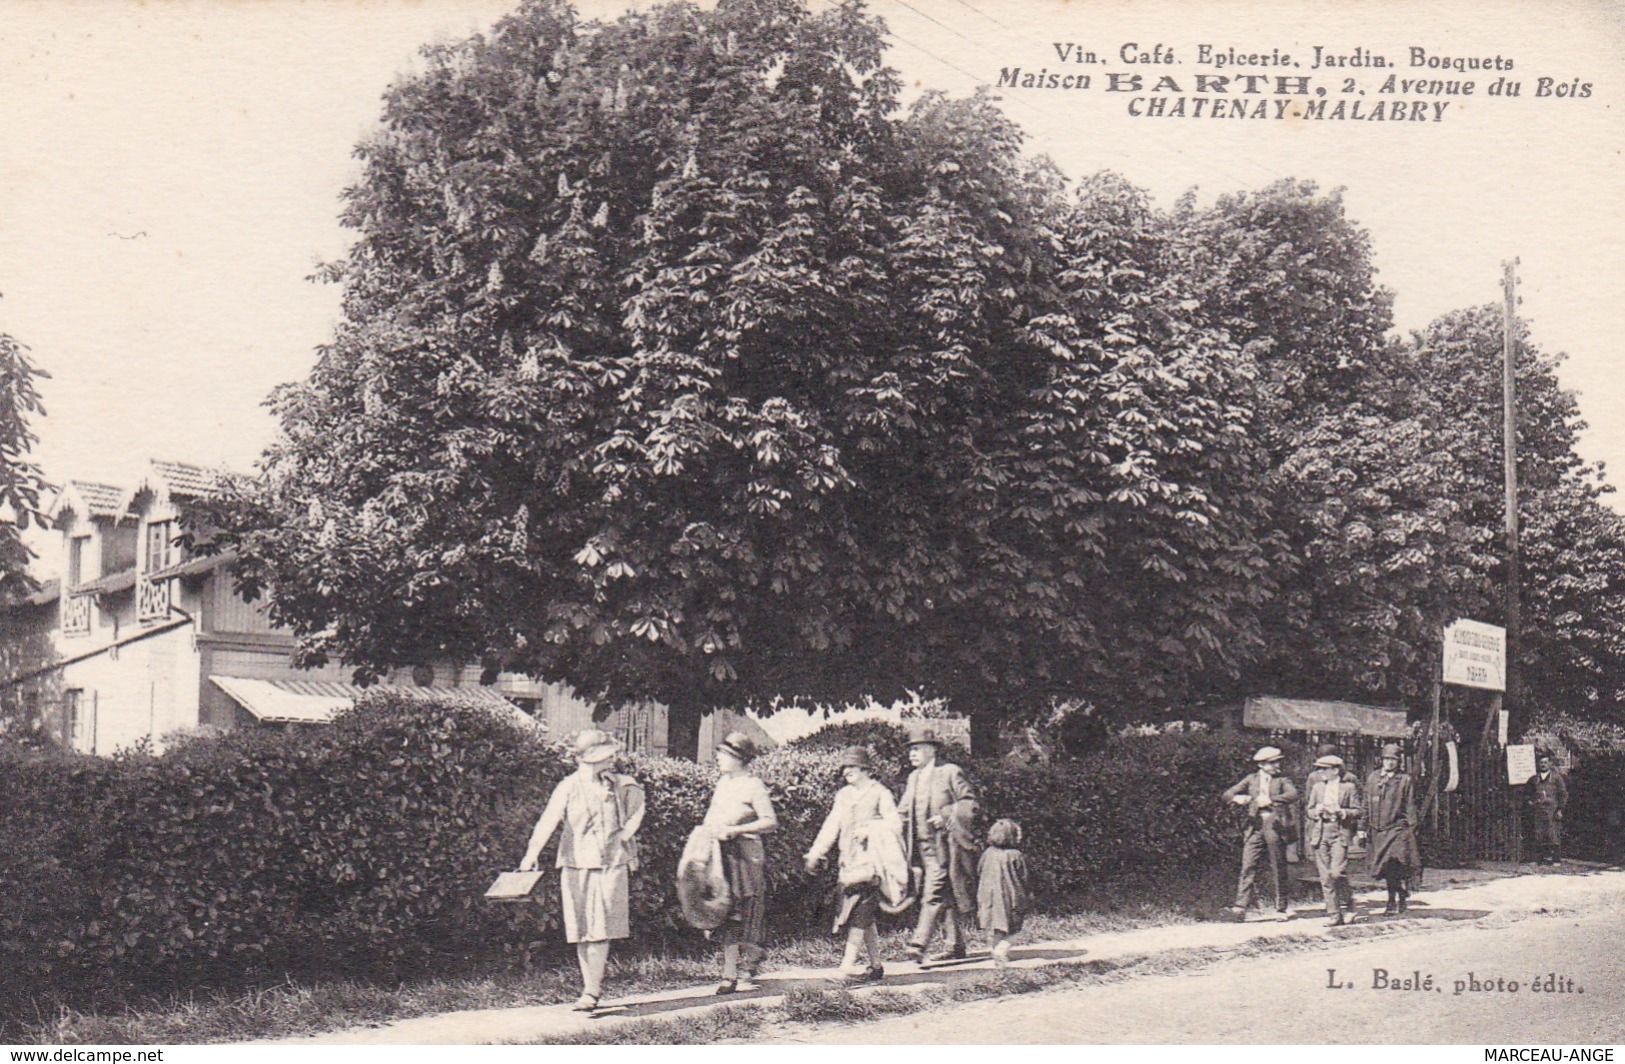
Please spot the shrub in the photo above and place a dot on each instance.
(364, 848)
(888, 743)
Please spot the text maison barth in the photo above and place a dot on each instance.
(1242, 84)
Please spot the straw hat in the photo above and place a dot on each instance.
(1329, 761)
(593, 746)
(1268, 753)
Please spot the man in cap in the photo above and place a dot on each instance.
(1268, 798)
(1548, 794)
(1334, 812)
(1389, 819)
(939, 836)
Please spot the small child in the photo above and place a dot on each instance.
(1001, 892)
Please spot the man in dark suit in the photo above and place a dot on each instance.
(1268, 798)
(939, 834)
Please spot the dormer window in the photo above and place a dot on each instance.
(161, 550)
(76, 560)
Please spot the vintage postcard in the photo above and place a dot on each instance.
(1047, 522)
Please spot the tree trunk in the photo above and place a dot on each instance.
(984, 728)
(683, 732)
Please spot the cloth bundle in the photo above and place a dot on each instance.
(702, 882)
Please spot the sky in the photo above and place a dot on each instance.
(170, 174)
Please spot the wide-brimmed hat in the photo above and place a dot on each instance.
(1268, 753)
(593, 746)
(925, 737)
(740, 746)
(1390, 749)
(856, 757)
(1329, 761)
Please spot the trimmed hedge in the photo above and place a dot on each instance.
(364, 848)
(888, 742)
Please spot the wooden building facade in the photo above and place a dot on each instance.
(135, 642)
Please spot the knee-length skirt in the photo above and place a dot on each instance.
(595, 903)
(744, 861)
(858, 907)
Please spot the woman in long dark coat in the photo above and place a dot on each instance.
(1389, 822)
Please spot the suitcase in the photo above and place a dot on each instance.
(513, 886)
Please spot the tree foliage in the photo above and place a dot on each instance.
(21, 482)
(680, 361)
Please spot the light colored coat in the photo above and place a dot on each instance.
(1324, 823)
(865, 823)
(595, 833)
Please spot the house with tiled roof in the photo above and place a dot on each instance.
(135, 641)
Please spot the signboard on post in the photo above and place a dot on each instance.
(1520, 764)
(1475, 655)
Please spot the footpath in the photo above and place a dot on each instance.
(1480, 899)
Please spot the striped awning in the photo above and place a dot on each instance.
(316, 701)
(1302, 714)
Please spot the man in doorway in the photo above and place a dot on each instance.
(1549, 793)
(939, 835)
(1268, 798)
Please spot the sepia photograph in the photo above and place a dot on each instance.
(812, 522)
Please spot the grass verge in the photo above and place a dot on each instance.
(809, 1006)
(290, 1010)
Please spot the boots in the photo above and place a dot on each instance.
(1403, 896)
(1393, 906)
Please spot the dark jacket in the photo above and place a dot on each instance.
(1278, 815)
(1390, 822)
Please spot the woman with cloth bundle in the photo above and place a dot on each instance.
(741, 812)
(600, 812)
(865, 822)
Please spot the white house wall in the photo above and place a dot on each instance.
(143, 690)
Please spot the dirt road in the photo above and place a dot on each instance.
(1566, 968)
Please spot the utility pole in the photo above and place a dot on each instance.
(1509, 361)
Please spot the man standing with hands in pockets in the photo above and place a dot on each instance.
(939, 836)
